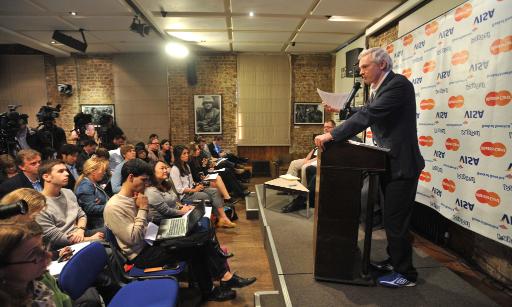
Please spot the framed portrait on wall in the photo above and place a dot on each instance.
(208, 114)
(308, 113)
(97, 110)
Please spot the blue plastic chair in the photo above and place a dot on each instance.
(82, 269)
(134, 273)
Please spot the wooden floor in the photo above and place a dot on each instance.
(246, 242)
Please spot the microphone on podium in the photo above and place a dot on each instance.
(345, 110)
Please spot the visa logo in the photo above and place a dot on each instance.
(417, 115)
(443, 74)
(442, 115)
(469, 160)
(507, 219)
(417, 80)
(398, 54)
(446, 33)
(474, 114)
(437, 192)
(465, 204)
(439, 154)
(419, 45)
(479, 66)
(483, 17)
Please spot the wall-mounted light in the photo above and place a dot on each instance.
(138, 27)
(72, 13)
(251, 14)
(176, 50)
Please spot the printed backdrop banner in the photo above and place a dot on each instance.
(461, 67)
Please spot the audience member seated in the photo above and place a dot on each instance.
(7, 167)
(154, 153)
(68, 153)
(141, 152)
(166, 151)
(128, 153)
(28, 161)
(199, 169)
(109, 132)
(63, 221)
(216, 151)
(90, 195)
(115, 154)
(88, 149)
(126, 215)
(189, 191)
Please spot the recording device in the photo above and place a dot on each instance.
(10, 123)
(49, 136)
(47, 114)
(19, 207)
(345, 110)
(81, 120)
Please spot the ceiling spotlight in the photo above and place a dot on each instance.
(251, 14)
(53, 42)
(138, 27)
(72, 13)
(176, 50)
(69, 41)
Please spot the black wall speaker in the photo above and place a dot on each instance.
(191, 73)
(352, 62)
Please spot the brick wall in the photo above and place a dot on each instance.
(309, 72)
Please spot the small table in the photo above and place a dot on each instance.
(291, 186)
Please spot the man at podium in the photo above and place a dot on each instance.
(391, 113)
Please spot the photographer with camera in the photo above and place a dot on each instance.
(83, 130)
(109, 132)
(14, 133)
(49, 137)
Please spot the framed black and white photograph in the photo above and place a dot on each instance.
(208, 114)
(308, 113)
(97, 110)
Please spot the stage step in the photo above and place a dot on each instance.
(268, 299)
(251, 207)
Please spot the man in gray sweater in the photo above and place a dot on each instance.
(63, 221)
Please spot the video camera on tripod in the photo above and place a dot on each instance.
(49, 136)
(10, 123)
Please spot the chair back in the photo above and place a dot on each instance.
(81, 270)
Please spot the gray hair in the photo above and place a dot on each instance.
(378, 55)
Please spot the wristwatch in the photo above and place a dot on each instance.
(81, 227)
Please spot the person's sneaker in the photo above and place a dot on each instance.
(395, 280)
(384, 265)
(221, 294)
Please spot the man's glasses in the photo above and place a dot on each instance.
(39, 254)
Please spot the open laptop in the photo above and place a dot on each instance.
(182, 226)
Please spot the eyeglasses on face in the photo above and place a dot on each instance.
(39, 254)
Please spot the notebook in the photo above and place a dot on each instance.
(182, 226)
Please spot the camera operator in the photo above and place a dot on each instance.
(49, 136)
(14, 133)
(109, 131)
(84, 129)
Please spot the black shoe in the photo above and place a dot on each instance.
(237, 282)
(244, 194)
(230, 202)
(382, 265)
(221, 294)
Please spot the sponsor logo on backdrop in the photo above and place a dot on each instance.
(437, 169)
(452, 144)
(437, 192)
(463, 12)
(449, 185)
(439, 154)
(505, 238)
(466, 177)
(431, 28)
(443, 75)
(497, 150)
(441, 114)
(425, 176)
(480, 66)
(507, 187)
(475, 86)
(474, 114)
(480, 37)
(427, 104)
(417, 81)
(488, 15)
(439, 130)
(369, 134)
(429, 66)
(419, 45)
(390, 49)
(426, 141)
(464, 204)
(443, 50)
(462, 221)
(506, 220)
(470, 132)
(407, 72)
(460, 57)
(501, 45)
(468, 160)
(456, 101)
(408, 39)
(485, 197)
(446, 33)
(501, 98)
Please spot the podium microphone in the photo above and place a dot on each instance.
(346, 106)
(19, 207)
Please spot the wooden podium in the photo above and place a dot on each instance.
(338, 207)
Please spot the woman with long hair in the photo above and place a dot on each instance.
(166, 151)
(90, 195)
(189, 190)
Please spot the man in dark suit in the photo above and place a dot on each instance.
(391, 113)
(28, 161)
(68, 153)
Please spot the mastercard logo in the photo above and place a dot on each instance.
(456, 102)
(452, 144)
(408, 39)
(501, 98)
(407, 72)
(431, 28)
(369, 134)
(426, 141)
(429, 66)
(427, 104)
(485, 197)
(497, 150)
(425, 176)
(449, 185)
(501, 45)
(390, 49)
(463, 12)
(460, 57)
